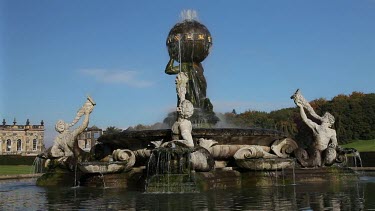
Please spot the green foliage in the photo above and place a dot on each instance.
(112, 130)
(155, 126)
(16, 160)
(354, 118)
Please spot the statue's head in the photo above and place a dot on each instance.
(61, 126)
(186, 109)
(328, 118)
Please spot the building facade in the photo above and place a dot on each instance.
(25, 140)
(89, 138)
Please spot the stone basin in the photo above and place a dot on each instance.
(266, 164)
(134, 140)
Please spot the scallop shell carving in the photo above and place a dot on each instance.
(124, 155)
(252, 151)
(284, 147)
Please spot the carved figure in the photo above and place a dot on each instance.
(324, 135)
(182, 127)
(64, 142)
(181, 83)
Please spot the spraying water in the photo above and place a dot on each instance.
(188, 15)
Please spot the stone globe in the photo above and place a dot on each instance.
(189, 41)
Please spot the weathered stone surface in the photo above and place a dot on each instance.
(130, 180)
(60, 178)
(104, 167)
(252, 152)
(265, 164)
(135, 140)
(284, 147)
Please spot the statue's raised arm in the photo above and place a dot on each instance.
(300, 100)
(302, 103)
(170, 69)
(86, 110)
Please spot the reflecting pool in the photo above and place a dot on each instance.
(24, 194)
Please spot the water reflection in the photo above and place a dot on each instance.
(19, 195)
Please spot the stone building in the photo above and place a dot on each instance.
(89, 137)
(25, 140)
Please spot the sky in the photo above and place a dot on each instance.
(55, 53)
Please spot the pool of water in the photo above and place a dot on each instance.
(24, 194)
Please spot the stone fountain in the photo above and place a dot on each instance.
(189, 157)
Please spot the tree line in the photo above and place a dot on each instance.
(354, 118)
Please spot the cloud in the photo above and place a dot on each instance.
(129, 78)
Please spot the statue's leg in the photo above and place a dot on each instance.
(302, 156)
(308, 159)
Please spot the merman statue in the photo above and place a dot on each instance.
(323, 150)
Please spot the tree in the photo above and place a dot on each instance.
(112, 130)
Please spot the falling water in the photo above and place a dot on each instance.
(103, 180)
(101, 170)
(168, 170)
(179, 52)
(358, 155)
(37, 165)
(75, 176)
(294, 175)
(277, 183)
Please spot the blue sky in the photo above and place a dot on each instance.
(54, 53)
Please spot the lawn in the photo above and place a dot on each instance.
(362, 145)
(15, 169)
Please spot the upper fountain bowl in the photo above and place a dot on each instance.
(191, 40)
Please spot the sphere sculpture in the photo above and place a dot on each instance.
(189, 41)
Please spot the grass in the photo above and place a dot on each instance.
(362, 145)
(15, 169)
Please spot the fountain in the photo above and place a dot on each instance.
(194, 156)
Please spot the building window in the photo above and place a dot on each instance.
(34, 144)
(9, 145)
(89, 135)
(19, 145)
(96, 135)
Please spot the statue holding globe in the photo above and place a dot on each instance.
(188, 44)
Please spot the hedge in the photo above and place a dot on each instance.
(16, 160)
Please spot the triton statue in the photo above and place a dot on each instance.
(323, 150)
